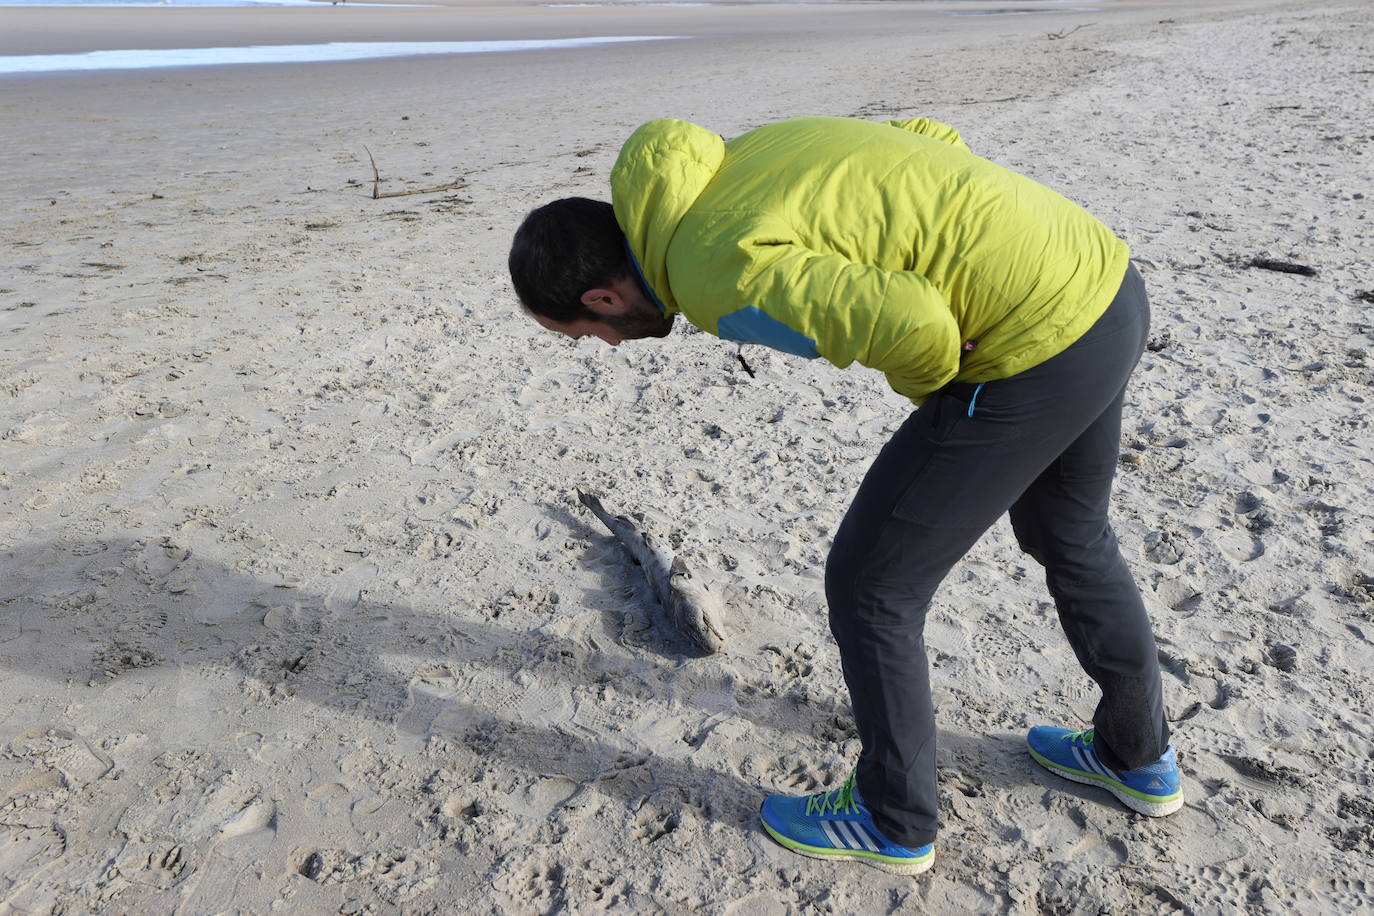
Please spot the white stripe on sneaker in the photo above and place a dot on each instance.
(830, 835)
(846, 830)
(864, 836)
(1086, 762)
(1102, 767)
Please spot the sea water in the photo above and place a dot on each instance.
(138, 59)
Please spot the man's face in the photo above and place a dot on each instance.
(623, 313)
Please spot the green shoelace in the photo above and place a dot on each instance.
(836, 801)
(1086, 735)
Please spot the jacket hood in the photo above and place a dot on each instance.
(661, 170)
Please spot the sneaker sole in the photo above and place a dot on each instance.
(1168, 805)
(916, 866)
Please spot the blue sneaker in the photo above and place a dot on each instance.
(1152, 789)
(836, 824)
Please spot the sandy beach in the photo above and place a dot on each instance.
(299, 611)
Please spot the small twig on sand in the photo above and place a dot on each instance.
(378, 194)
(1066, 32)
(1283, 267)
(1010, 98)
(451, 186)
(376, 176)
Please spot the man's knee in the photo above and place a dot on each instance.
(1074, 551)
(1031, 548)
(841, 569)
(872, 597)
(1101, 565)
(887, 582)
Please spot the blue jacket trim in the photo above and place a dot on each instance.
(752, 325)
(643, 282)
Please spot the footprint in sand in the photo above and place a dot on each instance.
(346, 591)
(156, 864)
(256, 815)
(1282, 657)
(1161, 547)
(792, 664)
(799, 779)
(1330, 520)
(120, 658)
(1355, 586)
(539, 886)
(24, 849)
(653, 823)
(1178, 595)
(1262, 775)
(1239, 546)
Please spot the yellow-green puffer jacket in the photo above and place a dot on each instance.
(890, 245)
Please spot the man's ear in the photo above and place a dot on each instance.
(605, 302)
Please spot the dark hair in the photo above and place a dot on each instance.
(563, 249)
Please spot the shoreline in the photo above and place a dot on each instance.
(36, 30)
(288, 55)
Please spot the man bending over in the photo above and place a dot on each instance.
(1008, 315)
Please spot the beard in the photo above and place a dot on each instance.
(643, 320)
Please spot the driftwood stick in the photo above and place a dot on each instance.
(1010, 98)
(376, 175)
(378, 194)
(460, 183)
(1065, 32)
(1283, 267)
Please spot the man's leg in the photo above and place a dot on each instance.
(880, 577)
(1061, 521)
(933, 490)
(956, 465)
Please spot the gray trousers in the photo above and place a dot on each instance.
(1042, 445)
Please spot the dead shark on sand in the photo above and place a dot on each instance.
(691, 604)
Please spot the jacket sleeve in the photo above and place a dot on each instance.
(892, 321)
(935, 129)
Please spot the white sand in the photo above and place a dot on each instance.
(298, 612)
